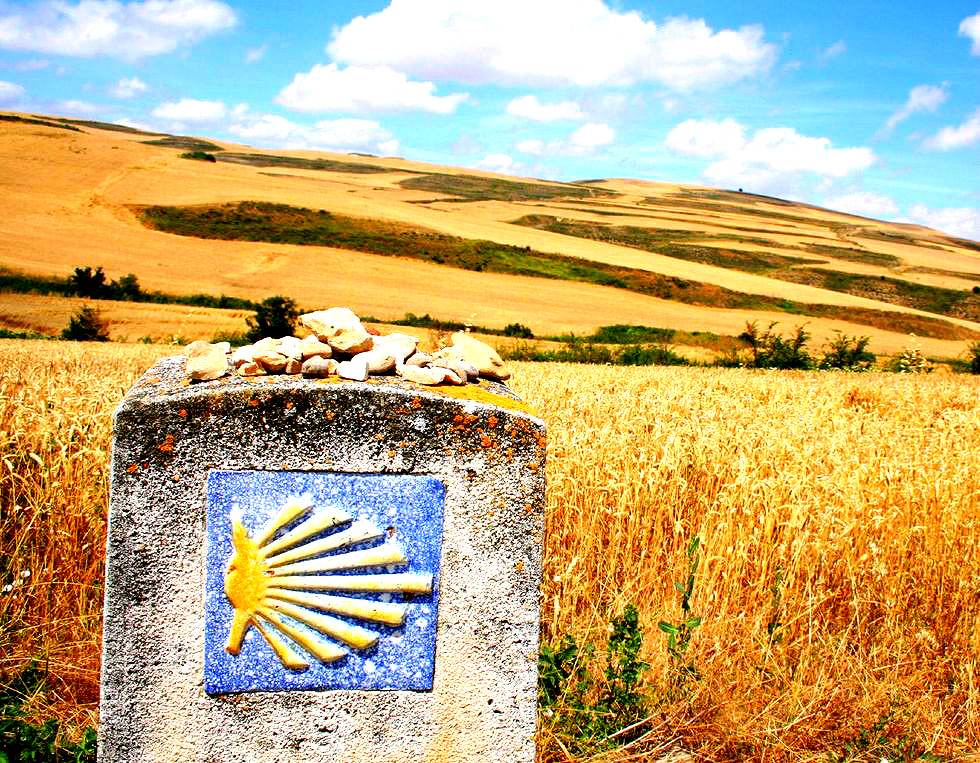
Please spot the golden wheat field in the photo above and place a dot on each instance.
(838, 515)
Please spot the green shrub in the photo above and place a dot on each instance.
(274, 317)
(770, 350)
(518, 330)
(973, 353)
(202, 156)
(23, 742)
(848, 353)
(86, 325)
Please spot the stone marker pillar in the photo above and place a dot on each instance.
(321, 571)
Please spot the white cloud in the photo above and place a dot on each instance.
(32, 65)
(129, 31)
(587, 139)
(11, 91)
(772, 159)
(128, 88)
(191, 110)
(590, 137)
(962, 136)
(549, 43)
(256, 54)
(832, 51)
(957, 221)
(529, 107)
(533, 146)
(706, 138)
(358, 89)
(864, 203)
(921, 98)
(497, 163)
(77, 108)
(331, 135)
(970, 27)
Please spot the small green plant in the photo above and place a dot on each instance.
(24, 742)
(86, 325)
(679, 634)
(887, 739)
(587, 712)
(774, 626)
(973, 354)
(912, 361)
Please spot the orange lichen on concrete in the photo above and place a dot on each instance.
(481, 395)
(167, 445)
(183, 413)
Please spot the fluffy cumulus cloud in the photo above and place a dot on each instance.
(864, 203)
(970, 27)
(498, 163)
(10, 92)
(128, 88)
(129, 31)
(957, 221)
(587, 139)
(191, 110)
(770, 159)
(273, 131)
(960, 136)
(549, 43)
(529, 107)
(921, 98)
(363, 89)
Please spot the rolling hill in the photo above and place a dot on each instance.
(386, 236)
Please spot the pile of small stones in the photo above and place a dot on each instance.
(339, 345)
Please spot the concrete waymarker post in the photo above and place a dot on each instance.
(323, 570)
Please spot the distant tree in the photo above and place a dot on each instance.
(770, 350)
(126, 288)
(275, 317)
(86, 325)
(518, 330)
(848, 353)
(88, 283)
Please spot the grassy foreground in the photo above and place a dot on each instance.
(839, 519)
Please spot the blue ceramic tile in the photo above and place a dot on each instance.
(404, 656)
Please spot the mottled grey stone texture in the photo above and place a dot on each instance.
(488, 449)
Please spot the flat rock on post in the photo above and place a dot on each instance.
(471, 457)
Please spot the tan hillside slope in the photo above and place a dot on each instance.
(68, 200)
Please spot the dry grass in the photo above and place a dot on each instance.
(56, 401)
(863, 489)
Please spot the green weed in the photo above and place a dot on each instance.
(25, 742)
(679, 634)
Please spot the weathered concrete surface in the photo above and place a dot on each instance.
(487, 448)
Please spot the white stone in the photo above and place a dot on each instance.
(311, 347)
(242, 355)
(378, 361)
(429, 376)
(356, 370)
(481, 355)
(206, 361)
(400, 345)
(340, 328)
(290, 347)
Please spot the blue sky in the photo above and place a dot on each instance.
(865, 106)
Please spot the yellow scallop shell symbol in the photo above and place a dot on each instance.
(277, 573)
